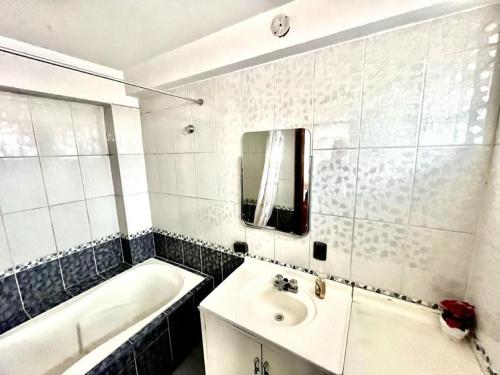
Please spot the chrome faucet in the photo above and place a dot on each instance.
(283, 284)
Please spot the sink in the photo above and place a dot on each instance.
(274, 307)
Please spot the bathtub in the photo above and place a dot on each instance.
(78, 334)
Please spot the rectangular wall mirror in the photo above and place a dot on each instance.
(276, 174)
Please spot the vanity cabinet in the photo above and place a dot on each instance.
(228, 350)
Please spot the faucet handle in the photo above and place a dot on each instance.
(278, 277)
(293, 286)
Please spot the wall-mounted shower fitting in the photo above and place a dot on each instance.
(189, 129)
(280, 25)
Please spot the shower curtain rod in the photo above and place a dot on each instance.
(91, 73)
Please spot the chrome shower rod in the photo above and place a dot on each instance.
(91, 73)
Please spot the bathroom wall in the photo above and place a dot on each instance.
(402, 123)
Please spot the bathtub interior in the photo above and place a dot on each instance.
(96, 322)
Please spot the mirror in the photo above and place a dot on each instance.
(276, 178)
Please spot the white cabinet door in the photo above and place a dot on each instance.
(227, 350)
(278, 363)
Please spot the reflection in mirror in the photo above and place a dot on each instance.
(276, 180)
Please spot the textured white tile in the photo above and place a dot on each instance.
(179, 118)
(138, 212)
(168, 176)
(158, 131)
(336, 232)
(153, 172)
(133, 174)
(96, 173)
(128, 132)
(209, 220)
(385, 122)
(294, 91)
(16, 130)
(71, 224)
(171, 213)
(460, 100)
(203, 117)
(29, 234)
(188, 215)
(90, 130)
(186, 179)
(378, 254)
(449, 186)
(334, 182)
(232, 227)
(21, 186)
(258, 98)
(53, 127)
(291, 249)
(260, 242)
(5, 257)
(384, 184)
(63, 180)
(206, 175)
(102, 216)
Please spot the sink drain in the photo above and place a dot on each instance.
(279, 317)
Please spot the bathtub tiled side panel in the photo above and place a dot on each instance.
(11, 308)
(121, 361)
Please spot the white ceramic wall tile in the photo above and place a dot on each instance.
(71, 225)
(63, 179)
(133, 174)
(29, 234)
(203, 119)
(102, 216)
(260, 242)
(90, 130)
(334, 182)
(336, 232)
(209, 220)
(153, 172)
(188, 215)
(156, 205)
(460, 99)
(337, 97)
(465, 30)
(448, 187)
(96, 173)
(291, 249)
(378, 254)
(171, 220)
(179, 118)
(127, 129)
(258, 98)
(232, 227)
(186, 180)
(53, 127)
(21, 186)
(16, 130)
(294, 78)
(137, 211)
(168, 174)
(206, 175)
(158, 131)
(5, 257)
(384, 184)
(385, 122)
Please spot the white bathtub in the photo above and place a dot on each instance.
(76, 335)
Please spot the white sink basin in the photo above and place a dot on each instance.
(280, 308)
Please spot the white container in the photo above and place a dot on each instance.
(454, 333)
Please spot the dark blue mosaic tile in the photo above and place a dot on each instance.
(156, 358)
(192, 255)
(108, 255)
(230, 263)
(115, 271)
(160, 244)
(174, 249)
(11, 308)
(202, 290)
(142, 248)
(211, 263)
(117, 362)
(85, 285)
(150, 333)
(127, 251)
(78, 267)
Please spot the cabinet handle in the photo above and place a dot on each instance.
(265, 366)
(256, 365)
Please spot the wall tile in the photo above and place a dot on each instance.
(171, 217)
(188, 215)
(206, 175)
(294, 91)
(336, 232)
(258, 98)
(127, 128)
(108, 255)
(29, 234)
(192, 255)
(53, 127)
(137, 211)
(260, 242)
(180, 117)
(90, 130)
(168, 174)
(232, 227)
(78, 267)
(102, 217)
(158, 132)
(211, 261)
(209, 220)
(186, 180)
(11, 308)
(97, 179)
(173, 250)
(203, 117)
(292, 249)
(334, 182)
(384, 184)
(16, 130)
(63, 179)
(71, 225)
(153, 173)
(229, 177)
(22, 185)
(460, 100)
(142, 248)
(5, 257)
(230, 263)
(133, 174)
(448, 186)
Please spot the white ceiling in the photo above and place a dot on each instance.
(121, 33)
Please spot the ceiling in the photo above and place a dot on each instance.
(121, 33)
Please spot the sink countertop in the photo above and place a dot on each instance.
(392, 337)
(320, 339)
